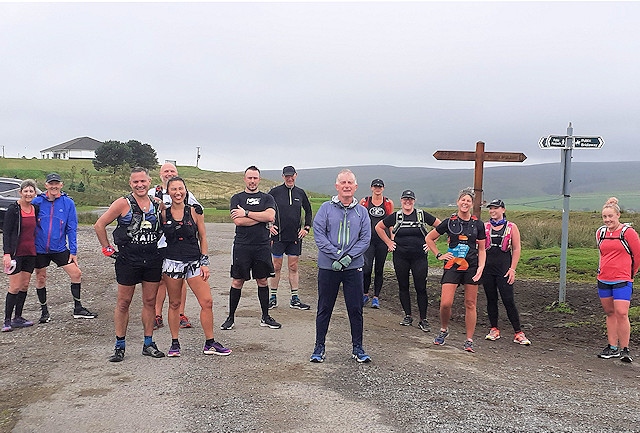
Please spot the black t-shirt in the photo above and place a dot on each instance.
(462, 237)
(257, 234)
(409, 239)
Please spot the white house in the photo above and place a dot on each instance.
(78, 148)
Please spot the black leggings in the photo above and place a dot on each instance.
(377, 251)
(492, 284)
(418, 265)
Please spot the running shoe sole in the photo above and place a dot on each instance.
(84, 315)
(300, 306)
(171, 354)
(316, 358)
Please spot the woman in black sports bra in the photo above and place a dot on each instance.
(186, 259)
(463, 264)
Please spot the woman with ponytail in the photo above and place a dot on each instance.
(503, 254)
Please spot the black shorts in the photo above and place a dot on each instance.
(278, 249)
(60, 259)
(24, 264)
(251, 261)
(451, 276)
(130, 273)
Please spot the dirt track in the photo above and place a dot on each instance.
(55, 377)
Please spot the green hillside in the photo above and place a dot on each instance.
(101, 187)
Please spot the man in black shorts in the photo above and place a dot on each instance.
(252, 212)
(138, 259)
(286, 234)
(57, 225)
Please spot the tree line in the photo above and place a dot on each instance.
(114, 155)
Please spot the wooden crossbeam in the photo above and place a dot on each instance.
(479, 156)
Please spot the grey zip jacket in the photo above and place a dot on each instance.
(339, 230)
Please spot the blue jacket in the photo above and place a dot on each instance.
(340, 230)
(57, 223)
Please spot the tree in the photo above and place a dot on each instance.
(115, 154)
(112, 154)
(142, 155)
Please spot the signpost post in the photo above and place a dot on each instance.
(567, 143)
(479, 156)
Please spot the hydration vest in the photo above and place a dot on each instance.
(137, 232)
(400, 223)
(386, 203)
(506, 236)
(601, 236)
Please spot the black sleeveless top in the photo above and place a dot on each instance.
(182, 237)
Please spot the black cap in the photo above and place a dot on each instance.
(53, 177)
(288, 171)
(377, 182)
(407, 193)
(496, 203)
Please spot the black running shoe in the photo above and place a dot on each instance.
(407, 321)
(625, 356)
(270, 322)
(83, 313)
(152, 351)
(228, 324)
(45, 317)
(424, 325)
(118, 355)
(609, 352)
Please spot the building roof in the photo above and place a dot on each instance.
(82, 143)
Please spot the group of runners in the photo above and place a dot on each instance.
(161, 242)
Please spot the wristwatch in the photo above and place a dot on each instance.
(438, 255)
(246, 213)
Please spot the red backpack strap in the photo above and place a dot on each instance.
(388, 206)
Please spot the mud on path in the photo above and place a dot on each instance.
(55, 377)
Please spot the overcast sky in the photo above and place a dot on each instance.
(321, 84)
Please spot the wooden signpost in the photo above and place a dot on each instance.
(479, 156)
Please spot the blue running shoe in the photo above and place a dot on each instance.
(360, 355)
(318, 354)
(439, 340)
(375, 303)
(365, 299)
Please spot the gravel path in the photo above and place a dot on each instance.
(56, 378)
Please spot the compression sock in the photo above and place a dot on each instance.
(75, 292)
(9, 305)
(20, 298)
(148, 339)
(263, 297)
(42, 297)
(120, 343)
(234, 300)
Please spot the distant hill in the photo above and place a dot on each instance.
(527, 186)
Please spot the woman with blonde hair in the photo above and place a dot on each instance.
(463, 264)
(618, 245)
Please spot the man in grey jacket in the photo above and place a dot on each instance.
(342, 232)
